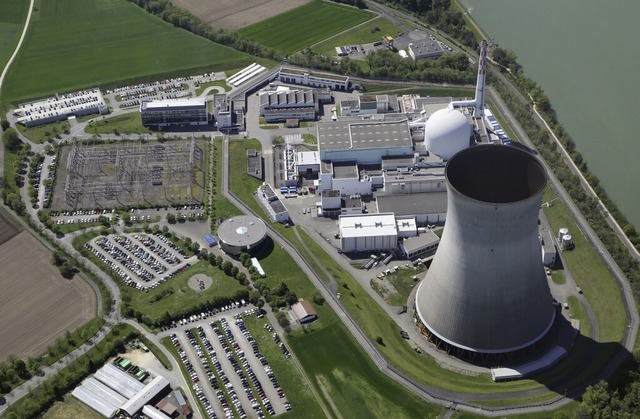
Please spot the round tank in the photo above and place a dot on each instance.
(486, 289)
(447, 132)
(562, 232)
(567, 241)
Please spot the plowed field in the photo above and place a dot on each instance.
(37, 305)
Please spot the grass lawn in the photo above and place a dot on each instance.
(12, 19)
(303, 26)
(41, 133)
(243, 185)
(348, 379)
(370, 32)
(219, 83)
(223, 208)
(381, 88)
(303, 400)
(175, 296)
(128, 123)
(71, 407)
(119, 43)
(590, 274)
(402, 283)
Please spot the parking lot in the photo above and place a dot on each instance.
(143, 261)
(228, 372)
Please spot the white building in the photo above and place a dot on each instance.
(369, 105)
(272, 204)
(422, 245)
(415, 181)
(308, 163)
(549, 252)
(368, 232)
(222, 112)
(314, 79)
(426, 208)
(60, 107)
(426, 49)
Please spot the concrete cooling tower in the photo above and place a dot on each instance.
(486, 290)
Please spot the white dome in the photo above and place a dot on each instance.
(446, 132)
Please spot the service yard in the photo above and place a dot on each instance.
(233, 15)
(37, 304)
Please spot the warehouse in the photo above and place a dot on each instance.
(285, 98)
(60, 107)
(426, 208)
(415, 181)
(427, 49)
(144, 396)
(368, 232)
(363, 141)
(304, 312)
(314, 79)
(174, 112)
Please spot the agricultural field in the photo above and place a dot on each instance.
(118, 42)
(14, 13)
(38, 305)
(130, 173)
(232, 15)
(71, 407)
(298, 28)
(370, 32)
(9, 227)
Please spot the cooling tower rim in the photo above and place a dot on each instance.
(483, 148)
(480, 350)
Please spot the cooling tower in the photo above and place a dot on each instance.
(486, 290)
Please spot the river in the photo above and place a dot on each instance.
(585, 55)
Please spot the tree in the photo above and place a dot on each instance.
(226, 267)
(67, 270)
(4, 124)
(58, 258)
(11, 139)
(284, 321)
(187, 241)
(171, 219)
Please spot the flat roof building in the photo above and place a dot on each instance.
(287, 98)
(363, 141)
(314, 79)
(427, 208)
(272, 204)
(254, 163)
(367, 232)
(189, 111)
(60, 107)
(222, 111)
(426, 49)
(283, 114)
(420, 245)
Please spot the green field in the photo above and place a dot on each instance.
(370, 32)
(118, 43)
(348, 379)
(71, 407)
(298, 28)
(41, 133)
(12, 18)
(128, 123)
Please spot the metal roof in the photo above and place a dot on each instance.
(413, 204)
(174, 103)
(341, 135)
(367, 225)
(144, 396)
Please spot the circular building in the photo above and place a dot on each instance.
(486, 290)
(241, 233)
(446, 132)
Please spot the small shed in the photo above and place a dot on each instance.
(304, 312)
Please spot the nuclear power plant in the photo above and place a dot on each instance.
(485, 294)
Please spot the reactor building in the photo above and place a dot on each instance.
(485, 295)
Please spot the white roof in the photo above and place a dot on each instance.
(175, 103)
(103, 392)
(119, 380)
(520, 371)
(151, 390)
(154, 413)
(368, 225)
(407, 225)
(90, 399)
(308, 157)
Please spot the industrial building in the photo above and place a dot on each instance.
(284, 114)
(254, 164)
(426, 49)
(419, 246)
(313, 79)
(189, 111)
(549, 251)
(222, 111)
(486, 293)
(145, 396)
(241, 233)
(368, 232)
(369, 105)
(246, 74)
(272, 203)
(426, 208)
(446, 132)
(286, 98)
(61, 107)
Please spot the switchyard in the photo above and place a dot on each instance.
(131, 173)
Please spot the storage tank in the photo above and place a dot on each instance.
(486, 290)
(567, 241)
(562, 232)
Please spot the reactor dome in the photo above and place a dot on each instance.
(241, 233)
(446, 132)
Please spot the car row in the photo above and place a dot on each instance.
(139, 252)
(124, 258)
(159, 250)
